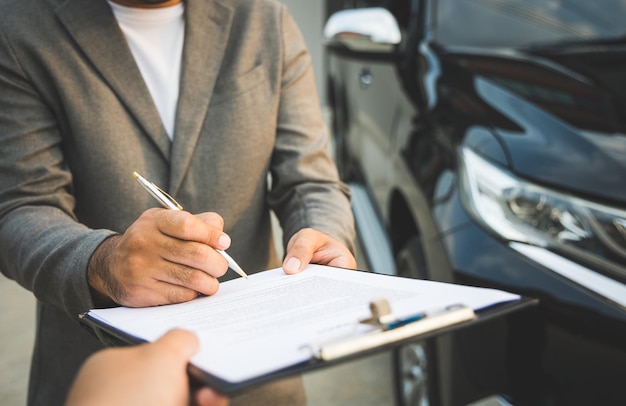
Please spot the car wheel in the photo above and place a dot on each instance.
(411, 368)
(414, 364)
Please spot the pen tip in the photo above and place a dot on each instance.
(240, 271)
(135, 175)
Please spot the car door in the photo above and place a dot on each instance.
(373, 102)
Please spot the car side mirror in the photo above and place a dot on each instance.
(367, 30)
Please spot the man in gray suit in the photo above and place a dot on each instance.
(214, 100)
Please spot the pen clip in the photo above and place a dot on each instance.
(159, 194)
(167, 198)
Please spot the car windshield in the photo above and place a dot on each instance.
(529, 23)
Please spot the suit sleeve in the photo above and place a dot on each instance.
(42, 245)
(306, 190)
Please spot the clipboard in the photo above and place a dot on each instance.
(385, 331)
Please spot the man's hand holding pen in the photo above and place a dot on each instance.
(171, 256)
(165, 256)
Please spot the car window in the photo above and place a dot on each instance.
(527, 23)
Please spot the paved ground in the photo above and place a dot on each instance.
(17, 320)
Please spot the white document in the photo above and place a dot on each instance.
(267, 322)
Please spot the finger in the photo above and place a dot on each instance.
(179, 343)
(158, 293)
(212, 219)
(190, 278)
(152, 291)
(208, 397)
(292, 264)
(312, 246)
(343, 262)
(300, 250)
(207, 228)
(337, 256)
(194, 255)
(216, 221)
(177, 294)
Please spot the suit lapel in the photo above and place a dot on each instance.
(93, 27)
(206, 35)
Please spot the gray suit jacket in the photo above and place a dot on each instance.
(76, 119)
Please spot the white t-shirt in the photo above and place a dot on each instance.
(155, 37)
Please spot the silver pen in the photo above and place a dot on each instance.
(168, 202)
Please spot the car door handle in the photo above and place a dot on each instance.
(365, 78)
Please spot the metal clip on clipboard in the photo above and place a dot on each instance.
(389, 329)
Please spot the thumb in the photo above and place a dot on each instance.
(300, 250)
(181, 344)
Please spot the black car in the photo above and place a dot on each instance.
(489, 137)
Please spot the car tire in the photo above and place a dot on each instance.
(414, 364)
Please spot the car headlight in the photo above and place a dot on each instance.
(517, 210)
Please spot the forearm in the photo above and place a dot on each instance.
(306, 190)
(47, 252)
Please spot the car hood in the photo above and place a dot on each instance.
(559, 120)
